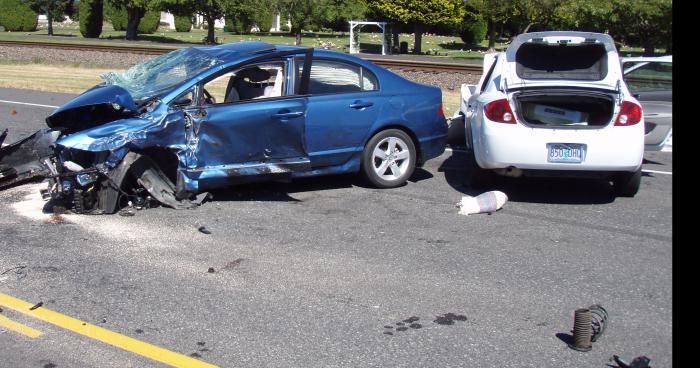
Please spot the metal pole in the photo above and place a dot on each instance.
(383, 38)
(352, 39)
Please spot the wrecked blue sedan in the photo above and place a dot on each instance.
(199, 118)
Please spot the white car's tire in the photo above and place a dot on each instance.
(627, 184)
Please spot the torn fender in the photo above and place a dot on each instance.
(152, 129)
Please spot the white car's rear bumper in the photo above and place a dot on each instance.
(613, 148)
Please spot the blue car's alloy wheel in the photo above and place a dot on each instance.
(389, 158)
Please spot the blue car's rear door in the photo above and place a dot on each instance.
(344, 102)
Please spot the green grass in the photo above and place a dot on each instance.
(442, 47)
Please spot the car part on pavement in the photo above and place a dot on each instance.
(599, 321)
(589, 326)
(638, 362)
(582, 330)
(488, 202)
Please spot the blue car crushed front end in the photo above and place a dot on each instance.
(103, 141)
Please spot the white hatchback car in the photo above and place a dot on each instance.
(554, 104)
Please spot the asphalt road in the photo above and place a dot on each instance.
(327, 272)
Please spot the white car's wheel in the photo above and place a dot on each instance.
(477, 177)
(627, 184)
(389, 158)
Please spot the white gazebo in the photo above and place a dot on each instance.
(354, 49)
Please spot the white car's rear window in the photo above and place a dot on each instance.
(586, 62)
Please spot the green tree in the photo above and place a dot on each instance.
(301, 14)
(116, 16)
(646, 23)
(135, 10)
(473, 29)
(241, 14)
(419, 13)
(495, 12)
(340, 12)
(91, 16)
(210, 10)
(54, 10)
(17, 16)
(183, 23)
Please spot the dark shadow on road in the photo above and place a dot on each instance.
(276, 191)
(651, 162)
(530, 190)
(568, 339)
(420, 174)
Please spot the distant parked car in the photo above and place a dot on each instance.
(554, 104)
(650, 80)
(207, 117)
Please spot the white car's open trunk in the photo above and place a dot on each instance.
(563, 79)
(564, 108)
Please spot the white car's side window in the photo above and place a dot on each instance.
(488, 76)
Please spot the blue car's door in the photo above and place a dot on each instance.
(344, 102)
(255, 126)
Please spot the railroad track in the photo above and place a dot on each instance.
(413, 65)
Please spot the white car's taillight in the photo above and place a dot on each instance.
(500, 112)
(630, 114)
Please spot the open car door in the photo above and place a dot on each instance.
(255, 128)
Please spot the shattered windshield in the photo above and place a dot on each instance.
(162, 73)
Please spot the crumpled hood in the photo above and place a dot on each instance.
(158, 128)
(96, 106)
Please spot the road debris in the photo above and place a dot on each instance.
(37, 305)
(488, 202)
(638, 362)
(203, 229)
(589, 325)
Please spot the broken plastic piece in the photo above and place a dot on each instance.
(204, 230)
(638, 362)
(483, 203)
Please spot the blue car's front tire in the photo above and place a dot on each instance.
(389, 158)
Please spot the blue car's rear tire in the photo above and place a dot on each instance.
(389, 159)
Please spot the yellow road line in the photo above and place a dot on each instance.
(101, 334)
(18, 327)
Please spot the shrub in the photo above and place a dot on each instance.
(91, 18)
(183, 23)
(15, 15)
(263, 19)
(118, 17)
(473, 31)
(149, 22)
(234, 25)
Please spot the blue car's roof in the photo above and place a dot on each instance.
(242, 50)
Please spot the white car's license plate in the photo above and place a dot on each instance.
(566, 152)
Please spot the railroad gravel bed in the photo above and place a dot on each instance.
(448, 81)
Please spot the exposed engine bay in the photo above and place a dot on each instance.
(100, 157)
